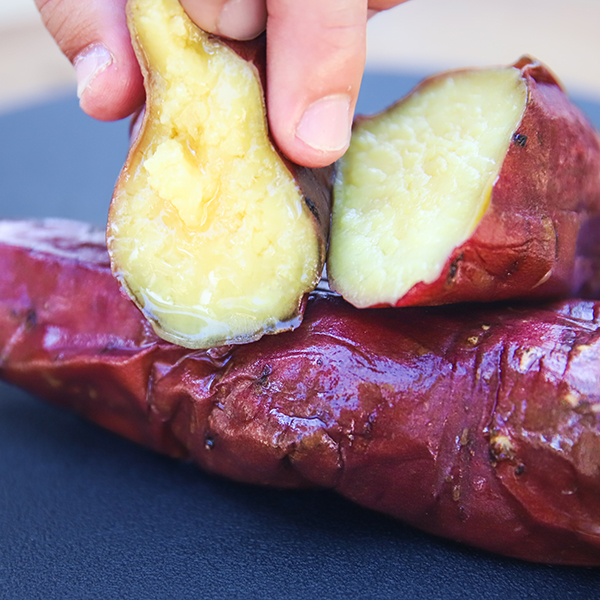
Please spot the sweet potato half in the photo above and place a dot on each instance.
(213, 233)
(480, 185)
(480, 423)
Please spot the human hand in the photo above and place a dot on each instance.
(315, 60)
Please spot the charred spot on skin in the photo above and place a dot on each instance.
(30, 319)
(368, 426)
(312, 207)
(286, 462)
(453, 269)
(520, 140)
(108, 348)
(263, 380)
(520, 470)
(512, 268)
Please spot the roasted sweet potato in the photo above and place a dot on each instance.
(480, 185)
(214, 234)
(480, 423)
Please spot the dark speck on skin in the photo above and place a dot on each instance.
(312, 207)
(454, 267)
(30, 319)
(520, 140)
(264, 378)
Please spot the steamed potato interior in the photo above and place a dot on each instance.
(208, 229)
(417, 180)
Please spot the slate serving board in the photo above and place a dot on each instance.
(84, 514)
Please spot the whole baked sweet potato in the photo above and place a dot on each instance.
(480, 185)
(477, 423)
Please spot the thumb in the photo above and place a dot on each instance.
(93, 35)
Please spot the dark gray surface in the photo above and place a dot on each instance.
(57, 162)
(84, 514)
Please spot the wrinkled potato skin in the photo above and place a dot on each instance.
(480, 425)
(538, 238)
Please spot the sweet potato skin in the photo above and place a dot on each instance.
(538, 238)
(480, 425)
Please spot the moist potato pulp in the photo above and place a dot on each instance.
(428, 168)
(209, 229)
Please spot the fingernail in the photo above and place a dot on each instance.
(242, 19)
(90, 63)
(326, 124)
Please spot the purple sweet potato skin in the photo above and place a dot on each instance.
(480, 425)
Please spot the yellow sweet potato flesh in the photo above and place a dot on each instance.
(417, 180)
(208, 229)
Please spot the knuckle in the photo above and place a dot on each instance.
(70, 25)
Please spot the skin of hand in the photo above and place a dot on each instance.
(315, 61)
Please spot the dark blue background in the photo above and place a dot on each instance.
(84, 514)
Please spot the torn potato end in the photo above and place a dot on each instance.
(208, 230)
(417, 180)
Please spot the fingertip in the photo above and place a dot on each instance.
(325, 124)
(235, 19)
(120, 102)
(322, 133)
(109, 87)
(90, 63)
(242, 19)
